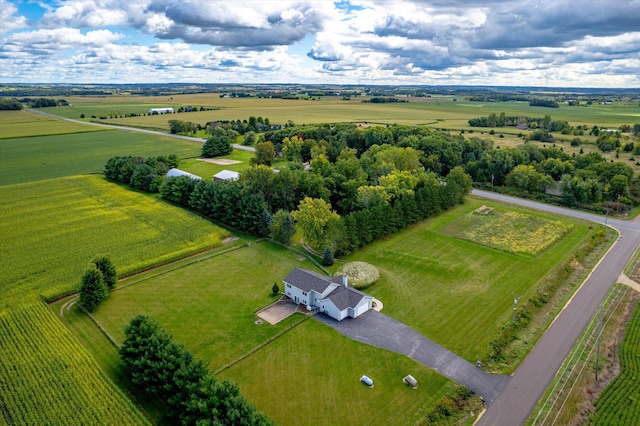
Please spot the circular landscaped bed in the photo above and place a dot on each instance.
(361, 274)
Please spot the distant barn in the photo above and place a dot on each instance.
(178, 172)
(153, 111)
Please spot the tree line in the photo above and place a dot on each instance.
(146, 174)
(167, 370)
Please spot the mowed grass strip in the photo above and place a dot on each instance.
(210, 305)
(47, 377)
(311, 375)
(453, 291)
(515, 232)
(51, 230)
(46, 157)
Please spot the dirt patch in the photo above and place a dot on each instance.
(229, 240)
(220, 161)
(278, 311)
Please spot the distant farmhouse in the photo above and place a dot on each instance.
(177, 172)
(331, 296)
(153, 111)
(226, 175)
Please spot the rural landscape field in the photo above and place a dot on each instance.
(452, 277)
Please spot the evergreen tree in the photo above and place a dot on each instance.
(327, 257)
(108, 271)
(282, 227)
(93, 290)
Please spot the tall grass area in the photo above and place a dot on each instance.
(47, 377)
(52, 229)
(459, 293)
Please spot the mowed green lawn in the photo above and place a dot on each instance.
(456, 292)
(45, 157)
(311, 376)
(210, 305)
(52, 229)
(309, 372)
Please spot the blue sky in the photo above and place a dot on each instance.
(555, 43)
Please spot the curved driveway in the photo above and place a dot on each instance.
(520, 395)
(385, 332)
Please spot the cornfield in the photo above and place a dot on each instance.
(51, 230)
(619, 403)
(47, 377)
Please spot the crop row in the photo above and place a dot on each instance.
(619, 403)
(46, 377)
(54, 228)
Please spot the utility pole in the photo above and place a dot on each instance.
(598, 348)
(515, 307)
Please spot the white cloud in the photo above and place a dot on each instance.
(9, 19)
(512, 42)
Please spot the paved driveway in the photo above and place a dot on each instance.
(385, 332)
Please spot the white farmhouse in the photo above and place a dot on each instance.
(331, 296)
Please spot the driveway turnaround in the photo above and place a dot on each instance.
(379, 330)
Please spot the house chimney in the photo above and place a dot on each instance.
(345, 281)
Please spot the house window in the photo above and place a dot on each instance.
(304, 293)
(288, 285)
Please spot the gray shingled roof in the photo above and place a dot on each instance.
(308, 281)
(345, 297)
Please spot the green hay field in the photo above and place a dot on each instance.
(45, 157)
(456, 292)
(19, 124)
(440, 112)
(51, 230)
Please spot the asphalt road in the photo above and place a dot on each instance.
(519, 396)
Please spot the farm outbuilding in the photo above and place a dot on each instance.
(153, 111)
(226, 175)
(177, 172)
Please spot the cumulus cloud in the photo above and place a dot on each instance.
(52, 40)
(9, 18)
(425, 41)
